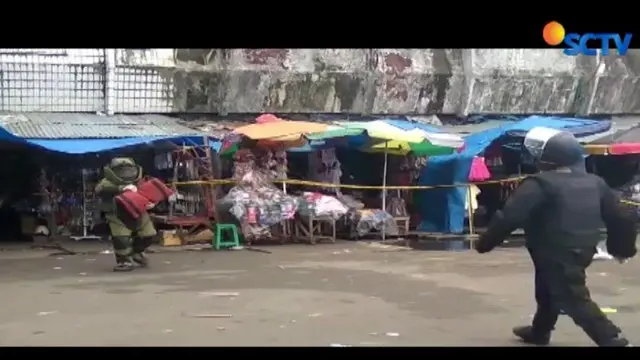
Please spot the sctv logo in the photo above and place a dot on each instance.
(554, 34)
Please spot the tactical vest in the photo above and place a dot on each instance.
(570, 217)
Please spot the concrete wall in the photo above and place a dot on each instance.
(356, 81)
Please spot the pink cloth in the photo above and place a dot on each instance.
(479, 170)
(267, 118)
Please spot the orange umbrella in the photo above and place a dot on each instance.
(284, 130)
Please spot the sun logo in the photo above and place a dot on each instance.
(553, 33)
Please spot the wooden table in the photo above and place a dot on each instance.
(311, 227)
(402, 223)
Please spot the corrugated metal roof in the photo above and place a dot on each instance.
(91, 126)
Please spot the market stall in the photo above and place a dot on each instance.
(388, 139)
(63, 198)
(623, 142)
(259, 161)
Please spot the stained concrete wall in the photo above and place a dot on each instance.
(405, 81)
(355, 81)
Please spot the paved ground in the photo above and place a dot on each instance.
(352, 294)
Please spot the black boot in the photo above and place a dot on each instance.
(124, 266)
(123, 263)
(140, 259)
(529, 336)
(618, 341)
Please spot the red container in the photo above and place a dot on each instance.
(154, 190)
(133, 203)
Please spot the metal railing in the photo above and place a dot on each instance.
(81, 80)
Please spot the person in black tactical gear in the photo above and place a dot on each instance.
(561, 209)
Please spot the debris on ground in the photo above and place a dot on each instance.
(221, 328)
(339, 345)
(220, 294)
(392, 334)
(57, 268)
(211, 316)
(264, 251)
(602, 255)
(44, 313)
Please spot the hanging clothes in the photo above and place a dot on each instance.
(507, 188)
(325, 167)
(471, 200)
(479, 170)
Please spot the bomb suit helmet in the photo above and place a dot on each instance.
(552, 149)
(125, 169)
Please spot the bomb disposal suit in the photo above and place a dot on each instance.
(121, 175)
(561, 210)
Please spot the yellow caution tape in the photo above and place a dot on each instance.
(347, 186)
(365, 187)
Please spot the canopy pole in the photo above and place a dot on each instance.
(84, 203)
(384, 190)
(470, 216)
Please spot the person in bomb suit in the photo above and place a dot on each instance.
(121, 175)
(561, 209)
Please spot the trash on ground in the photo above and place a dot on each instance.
(339, 345)
(236, 248)
(264, 251)
(57, 268)
(44, 313)
(221, 328)
(392, 334)
(220, 294)
(211, 316)
(608, 310)
(292, 321)
(602, 255)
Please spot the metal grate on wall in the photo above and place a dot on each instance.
(140, 89)
(70, 80)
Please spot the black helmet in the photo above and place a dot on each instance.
(553, 148)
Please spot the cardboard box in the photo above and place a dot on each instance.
(171, 238)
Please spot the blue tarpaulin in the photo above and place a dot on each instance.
(443, 210)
